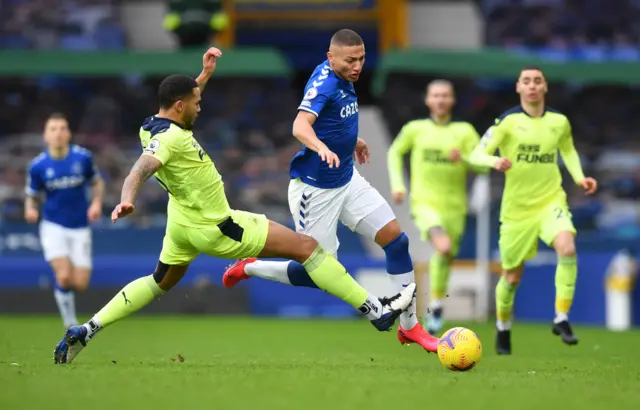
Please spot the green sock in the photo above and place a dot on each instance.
(438, 276)
(329, 275)
(130, 299)
(566, 275)
(505, 294)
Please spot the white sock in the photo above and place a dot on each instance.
(408, 318)
(503, 325)
(92, 326)
(561, 317)
(372, 308)
(66, 300)
(275, 271)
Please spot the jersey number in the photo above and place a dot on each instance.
(201, 153)
(163, 185)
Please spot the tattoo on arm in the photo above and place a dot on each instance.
(202, 80)
(142, 170)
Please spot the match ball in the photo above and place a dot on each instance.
(459, 349)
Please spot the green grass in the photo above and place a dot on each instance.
(243, 363)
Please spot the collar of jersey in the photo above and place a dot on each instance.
(527, 114)
(177, 124)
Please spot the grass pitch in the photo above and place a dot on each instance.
(243, 363)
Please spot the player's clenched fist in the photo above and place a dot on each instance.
(122, 210)
(589, 185)
(329, 157)
(502, 164)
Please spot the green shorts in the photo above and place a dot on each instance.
(242, 235)
(426, 218)
(519, 238)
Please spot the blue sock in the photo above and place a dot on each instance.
(298, 275)
(400, 270)
(398, 258)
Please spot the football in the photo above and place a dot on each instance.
(459, 349)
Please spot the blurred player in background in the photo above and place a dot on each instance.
(199, 220)
(440, 149)
(326, 188)
(64, 172)
(534, 204)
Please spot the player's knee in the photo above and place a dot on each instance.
(566, 249)
(160, 273)
(513, 277)
(565, 245)
(388, 233)
(442, 245)
(64, 280)
(304, 248)
(64, 276)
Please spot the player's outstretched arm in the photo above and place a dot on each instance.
(469, 143)
(572, 162)
(31, 213)
(209, 60)
(95, 209)
(402, 144)
(142, 170)
(303, 131)
(482, 155)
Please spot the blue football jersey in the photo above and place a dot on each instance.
(65, 183)
(335, 104)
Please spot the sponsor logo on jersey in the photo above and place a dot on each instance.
(530, 153)
(65, 182)
(349, 110)
(435, 156)
(537, 158)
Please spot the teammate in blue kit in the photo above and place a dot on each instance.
(326, 188)
(64, 172)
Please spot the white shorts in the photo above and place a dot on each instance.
(357, 205)
(60, 242)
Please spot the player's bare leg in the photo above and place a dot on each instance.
(311, 262)
(400, 269)
(64, 291)
(439, 268)
(81, 279)
(566, 275)
(505, 295)
(130, 299)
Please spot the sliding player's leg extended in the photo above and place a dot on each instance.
(128, 300)
(329, 275)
